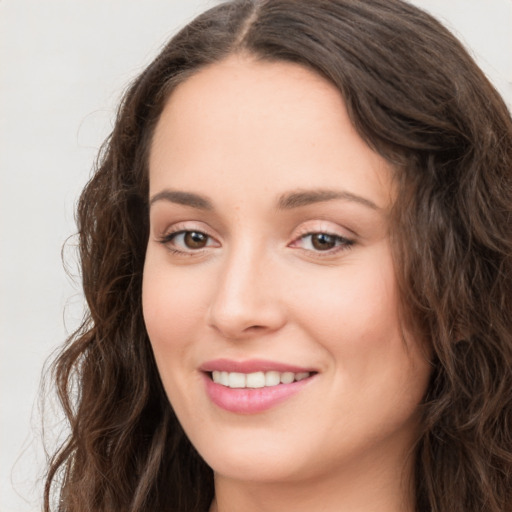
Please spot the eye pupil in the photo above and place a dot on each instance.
(323, 241)
(195, 240)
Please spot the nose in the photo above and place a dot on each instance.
(247, 301)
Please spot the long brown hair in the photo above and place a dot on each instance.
(417, 98)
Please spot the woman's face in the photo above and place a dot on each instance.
(269, 291)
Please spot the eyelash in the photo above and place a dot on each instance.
(341, 243)
(169, 237)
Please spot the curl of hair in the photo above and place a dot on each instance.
(416, 97)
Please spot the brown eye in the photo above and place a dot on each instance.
(195, 239)
(323, 241)
(188, 241)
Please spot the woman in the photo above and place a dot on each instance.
(296, 254)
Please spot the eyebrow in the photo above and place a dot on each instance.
(184, 198)
(307, 197)
(286, 201)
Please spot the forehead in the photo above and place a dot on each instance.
(276, 124)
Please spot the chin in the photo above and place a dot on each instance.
(250, 456)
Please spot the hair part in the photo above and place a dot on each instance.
(418, 99)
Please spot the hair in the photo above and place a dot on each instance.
(417, 98)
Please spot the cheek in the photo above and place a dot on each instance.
(354, 310)
(354, 316)
(171, 307)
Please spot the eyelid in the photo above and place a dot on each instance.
(345, 242)
(321, 227)
(307, 229)
(182, 228)
(174, 234)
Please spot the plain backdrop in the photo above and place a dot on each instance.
(63, 68)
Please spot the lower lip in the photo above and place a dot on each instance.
(249, 400)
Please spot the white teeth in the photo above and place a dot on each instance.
(257, 379)
(272, 378)
(287, 377)
(221, 377)
(237, 380)
(224, 378)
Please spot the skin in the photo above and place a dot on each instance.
(244, 134)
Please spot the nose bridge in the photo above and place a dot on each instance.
(245, 300)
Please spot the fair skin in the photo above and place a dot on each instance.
(269, 250)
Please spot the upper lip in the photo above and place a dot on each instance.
(251, 366)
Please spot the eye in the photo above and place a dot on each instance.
(323, 242)
(188, 241)
(193, 239)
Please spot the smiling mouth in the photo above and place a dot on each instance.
(256, 380)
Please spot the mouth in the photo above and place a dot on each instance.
(256, 380)
(254, 386)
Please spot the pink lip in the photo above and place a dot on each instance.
(246, 400)
(250, 366)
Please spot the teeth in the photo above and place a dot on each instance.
(257, 379)
(236, 380)
(287, 378)
(224, 378)
(272, 378)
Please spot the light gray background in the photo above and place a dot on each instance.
(63, 67)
